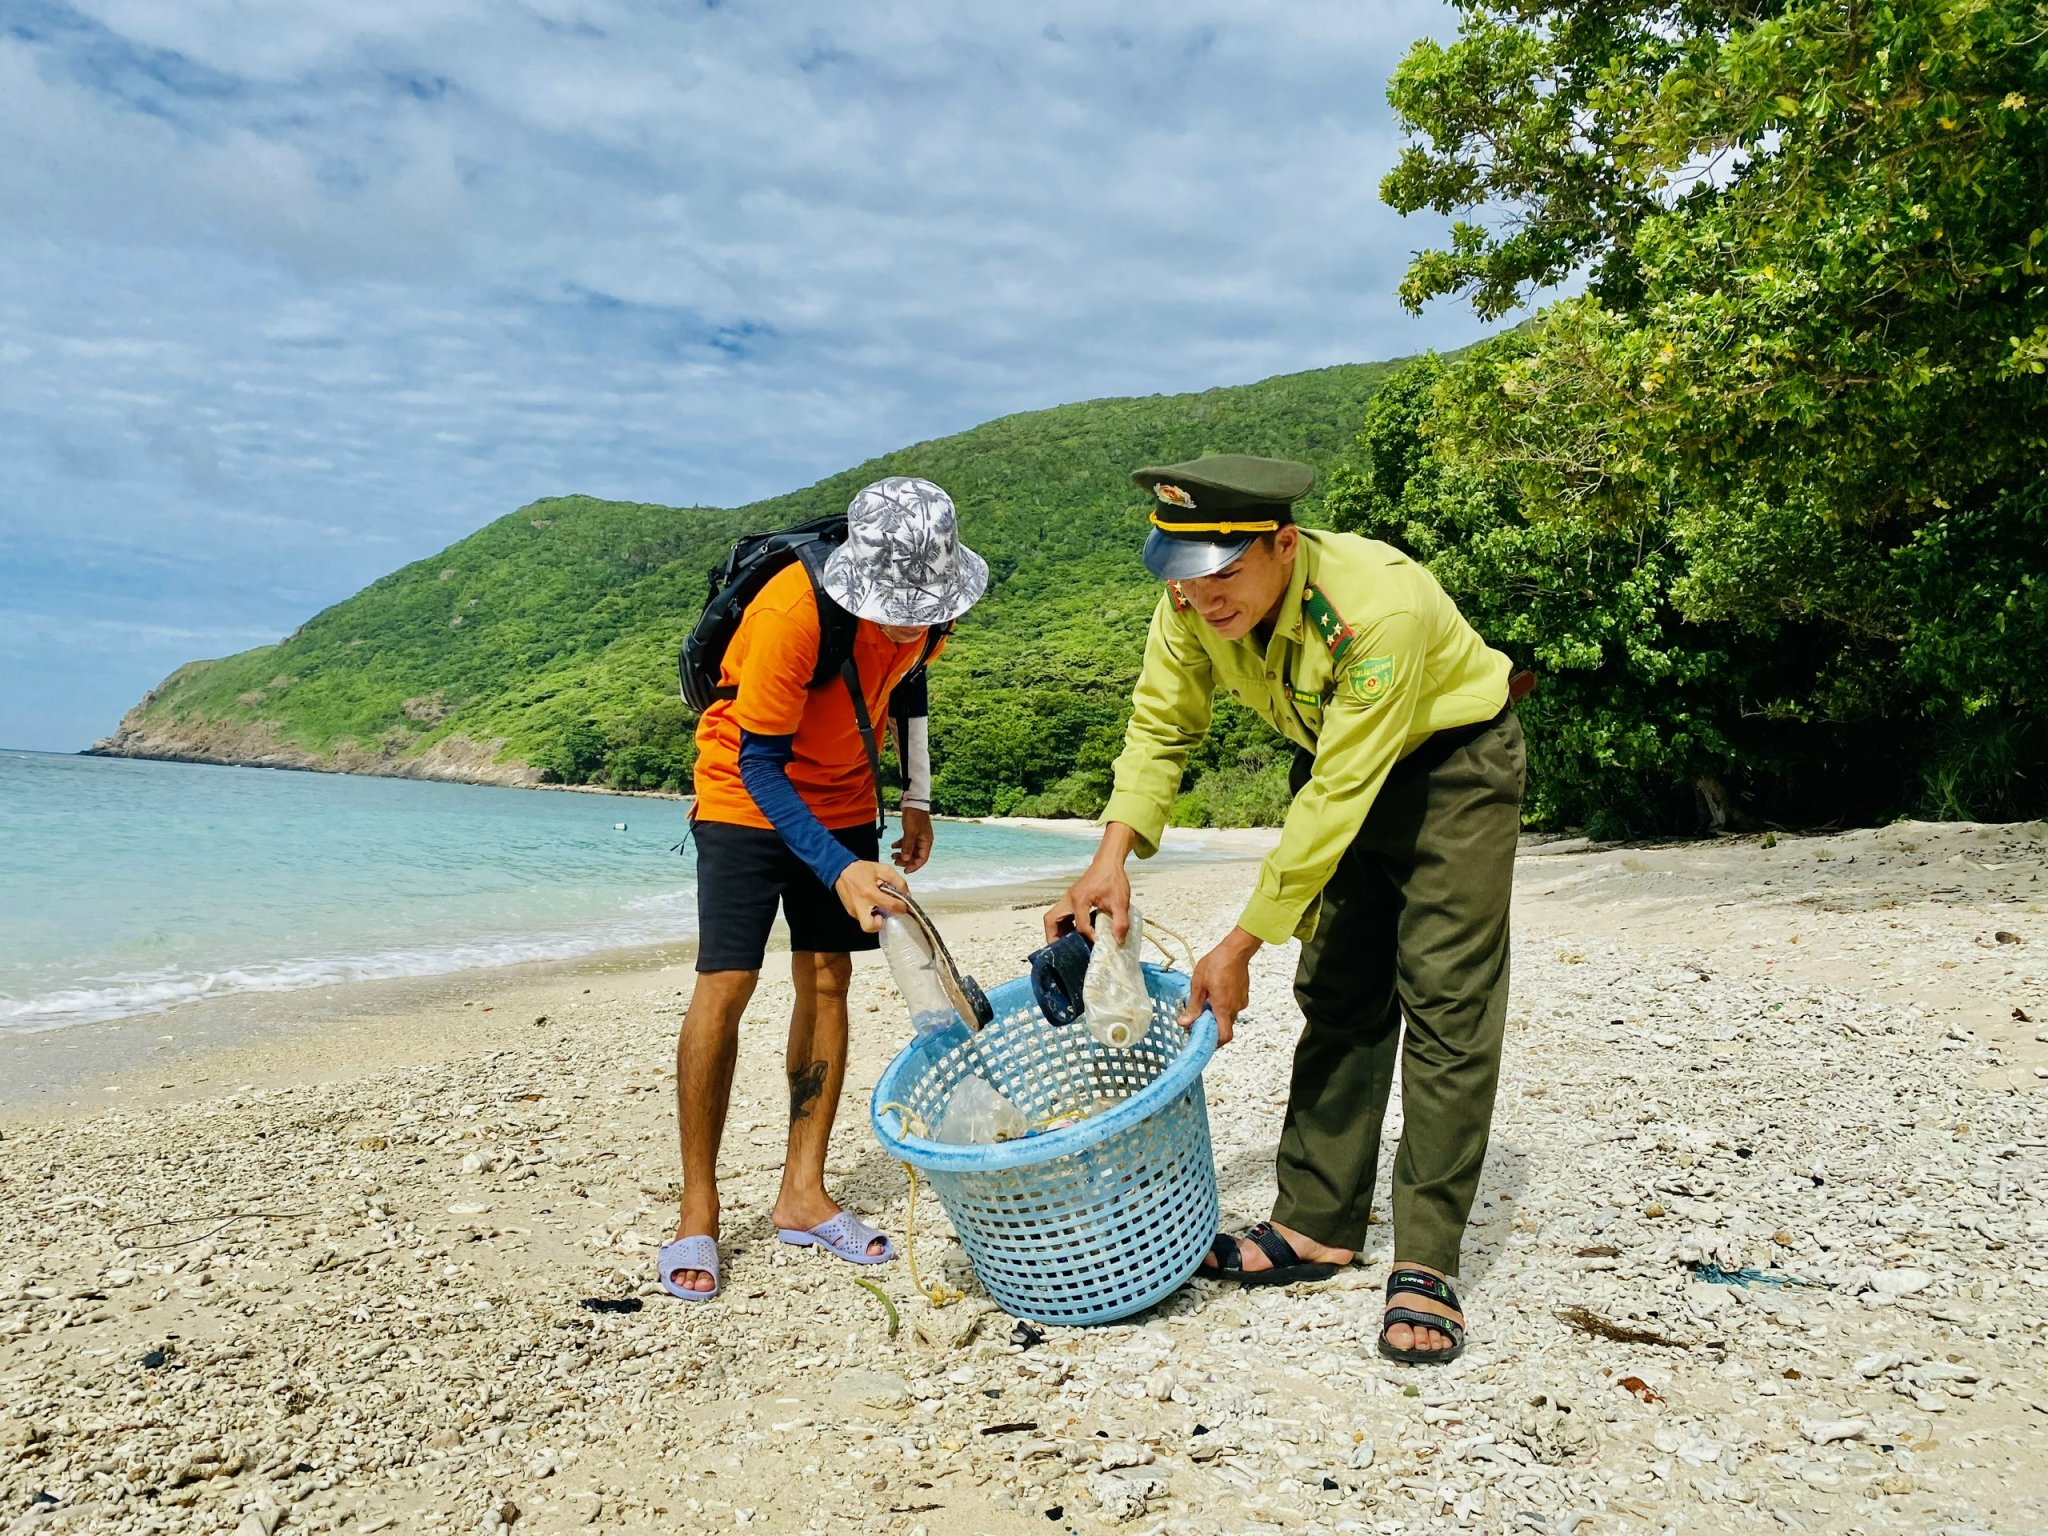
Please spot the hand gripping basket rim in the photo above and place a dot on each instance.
(948, 1157)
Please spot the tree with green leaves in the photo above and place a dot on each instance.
(1804, 372)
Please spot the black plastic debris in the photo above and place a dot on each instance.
(155, 1360)
(1056, 1512)
(610, 1303)
(1025, 1336)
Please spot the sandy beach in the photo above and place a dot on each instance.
(318, 1263)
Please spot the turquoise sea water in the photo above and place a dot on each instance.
(127, 887)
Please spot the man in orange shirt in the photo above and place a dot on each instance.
(786, 816)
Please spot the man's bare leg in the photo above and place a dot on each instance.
(816, 1065)
(707, 1047)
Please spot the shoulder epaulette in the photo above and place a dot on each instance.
(1336, 634)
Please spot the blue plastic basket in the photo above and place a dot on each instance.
(1091, 1222)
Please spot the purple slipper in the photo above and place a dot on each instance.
(845, 1236)
(688, 1253)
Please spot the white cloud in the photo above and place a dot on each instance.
(298, 294)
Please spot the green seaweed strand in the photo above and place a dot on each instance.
(883, 1297)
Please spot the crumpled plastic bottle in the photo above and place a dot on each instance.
(1119, 1009)
(977, 1112)
(916, 971)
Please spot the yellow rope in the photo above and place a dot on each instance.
(935, 1290)
(1152, 932)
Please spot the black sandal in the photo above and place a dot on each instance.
(1289, 1267)
(1422, 1283)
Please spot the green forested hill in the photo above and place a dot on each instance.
(1758, 488)
(554, 630)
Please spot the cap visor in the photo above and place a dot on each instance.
(1177, 559)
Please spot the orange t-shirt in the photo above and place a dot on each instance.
(770, 661)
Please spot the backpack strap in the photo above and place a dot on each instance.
(836, 626)
(837, 629)
(849, 674)
(812, 545)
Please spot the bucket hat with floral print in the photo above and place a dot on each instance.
(903, 562)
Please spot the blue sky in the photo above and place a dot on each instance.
(293, 294)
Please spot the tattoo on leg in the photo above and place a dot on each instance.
(805, 1086)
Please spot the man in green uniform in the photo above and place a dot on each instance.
(1394, 866)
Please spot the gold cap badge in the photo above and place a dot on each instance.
(1173, 496)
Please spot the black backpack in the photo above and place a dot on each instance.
(734, 583)
(736, 580)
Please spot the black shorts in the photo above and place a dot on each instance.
(744, 873)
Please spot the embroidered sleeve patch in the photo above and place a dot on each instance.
(1372, 679)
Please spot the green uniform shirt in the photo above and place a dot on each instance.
(1398, 663)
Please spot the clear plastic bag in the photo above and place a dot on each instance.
(916, 971)
(977, 1112)
(1118, 1008)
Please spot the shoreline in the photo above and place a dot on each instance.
(67, 1060)
(648, 906)
(100, 750)
(76, 1067)
(319, 1034)
(455, 774)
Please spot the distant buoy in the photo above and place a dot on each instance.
(618, 826)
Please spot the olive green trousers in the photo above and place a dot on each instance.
(1414, 922)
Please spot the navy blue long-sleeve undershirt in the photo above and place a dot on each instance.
(764, 770)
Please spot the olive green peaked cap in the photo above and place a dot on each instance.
(1207, 511)
(1225, 482)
